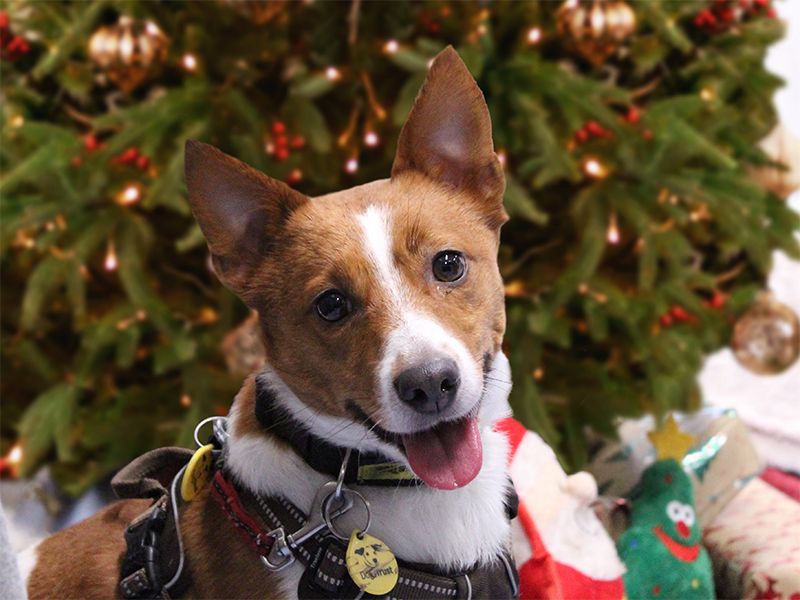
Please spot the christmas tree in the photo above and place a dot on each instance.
(626, 131)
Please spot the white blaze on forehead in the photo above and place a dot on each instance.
(376, 225)
(415, 336)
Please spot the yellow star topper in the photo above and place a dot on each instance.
(670, 441)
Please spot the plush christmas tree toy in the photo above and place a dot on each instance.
(560, 547)
(662, 549)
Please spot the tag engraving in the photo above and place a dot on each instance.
(371, 564)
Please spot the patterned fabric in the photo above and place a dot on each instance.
(754, 544)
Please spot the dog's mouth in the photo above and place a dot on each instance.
(446, 456)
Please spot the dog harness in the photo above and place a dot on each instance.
(278, 531)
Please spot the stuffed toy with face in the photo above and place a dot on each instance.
(662, 549)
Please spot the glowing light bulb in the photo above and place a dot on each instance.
(186, 400)
(594, 168)
(15, 455)
(534, 35)
(612, 233)
(371, 139)
(111, 263)
(391, 46)
(333, 74)
(351, 166)
(189, 62)
(130, 194)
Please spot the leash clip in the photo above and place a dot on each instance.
(280, 555)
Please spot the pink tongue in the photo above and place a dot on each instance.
(448, 456)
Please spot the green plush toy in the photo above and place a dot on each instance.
(661, 549)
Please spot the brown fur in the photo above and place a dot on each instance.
(278, 250)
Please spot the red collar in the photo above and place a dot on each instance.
(678, 550)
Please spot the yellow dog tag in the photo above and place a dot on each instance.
(197, 473)
(371, 564)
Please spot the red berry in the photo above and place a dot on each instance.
(281, 141)
(3, 19)
(294, 177)
(771, 13)
(726, 15)
(278, 127)
(581, 136)
(90, 142)
(594, 128)
(142, 163)
(281, 154)
(717, 300)
(665, 320)
(128, 156)
(647, 134)
(633, 116)
(76, 161)
(680, 313)
(298, 142)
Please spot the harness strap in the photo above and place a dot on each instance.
(324, 555)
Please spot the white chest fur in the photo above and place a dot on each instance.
(453, 529)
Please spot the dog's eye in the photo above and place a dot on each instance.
(449, 266)
(333, 305)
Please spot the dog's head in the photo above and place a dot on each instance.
(381, 305)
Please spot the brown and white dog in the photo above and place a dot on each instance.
(382, 312)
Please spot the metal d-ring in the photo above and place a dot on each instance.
(216, 428)
(342, 470)
(329, 518)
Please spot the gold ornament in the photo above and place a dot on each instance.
(766, 339)
(670, 441)
(596, 28)
(258, 12)
(781, 146)
(129, 52)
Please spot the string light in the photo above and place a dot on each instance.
(594, 168)
(14, 457)
(534, 35)
(612, 233)
(351, 166)
(186, 400)
(17, 121)
(502, 157)
(538, 374)
(333, 74)
(391, 46)
(189, 62)
(707, 94)
(111, 263)
(130, 194)
(371, 139)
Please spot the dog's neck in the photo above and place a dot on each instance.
(452, 529)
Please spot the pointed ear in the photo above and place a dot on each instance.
(448, 135)
(240, 210)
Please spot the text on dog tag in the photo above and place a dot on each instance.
(371, 564)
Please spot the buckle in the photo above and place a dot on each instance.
(280, 554)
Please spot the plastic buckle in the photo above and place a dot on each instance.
(280, 555)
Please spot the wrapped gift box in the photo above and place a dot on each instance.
(754, 544)
(721, 462)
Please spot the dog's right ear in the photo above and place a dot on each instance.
(240, 210)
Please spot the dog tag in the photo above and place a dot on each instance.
(197, 473)
(371, 564)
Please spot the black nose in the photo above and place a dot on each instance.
(429, 387)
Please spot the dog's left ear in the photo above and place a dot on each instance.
(448, 136)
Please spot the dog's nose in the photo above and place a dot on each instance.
(429, 387)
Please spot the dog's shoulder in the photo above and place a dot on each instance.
(83, 557)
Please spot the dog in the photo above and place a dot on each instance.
(382, 314)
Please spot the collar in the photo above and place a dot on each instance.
(268, 525)
(363, 468)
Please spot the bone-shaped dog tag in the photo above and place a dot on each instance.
(371, 564)
(197, 473)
